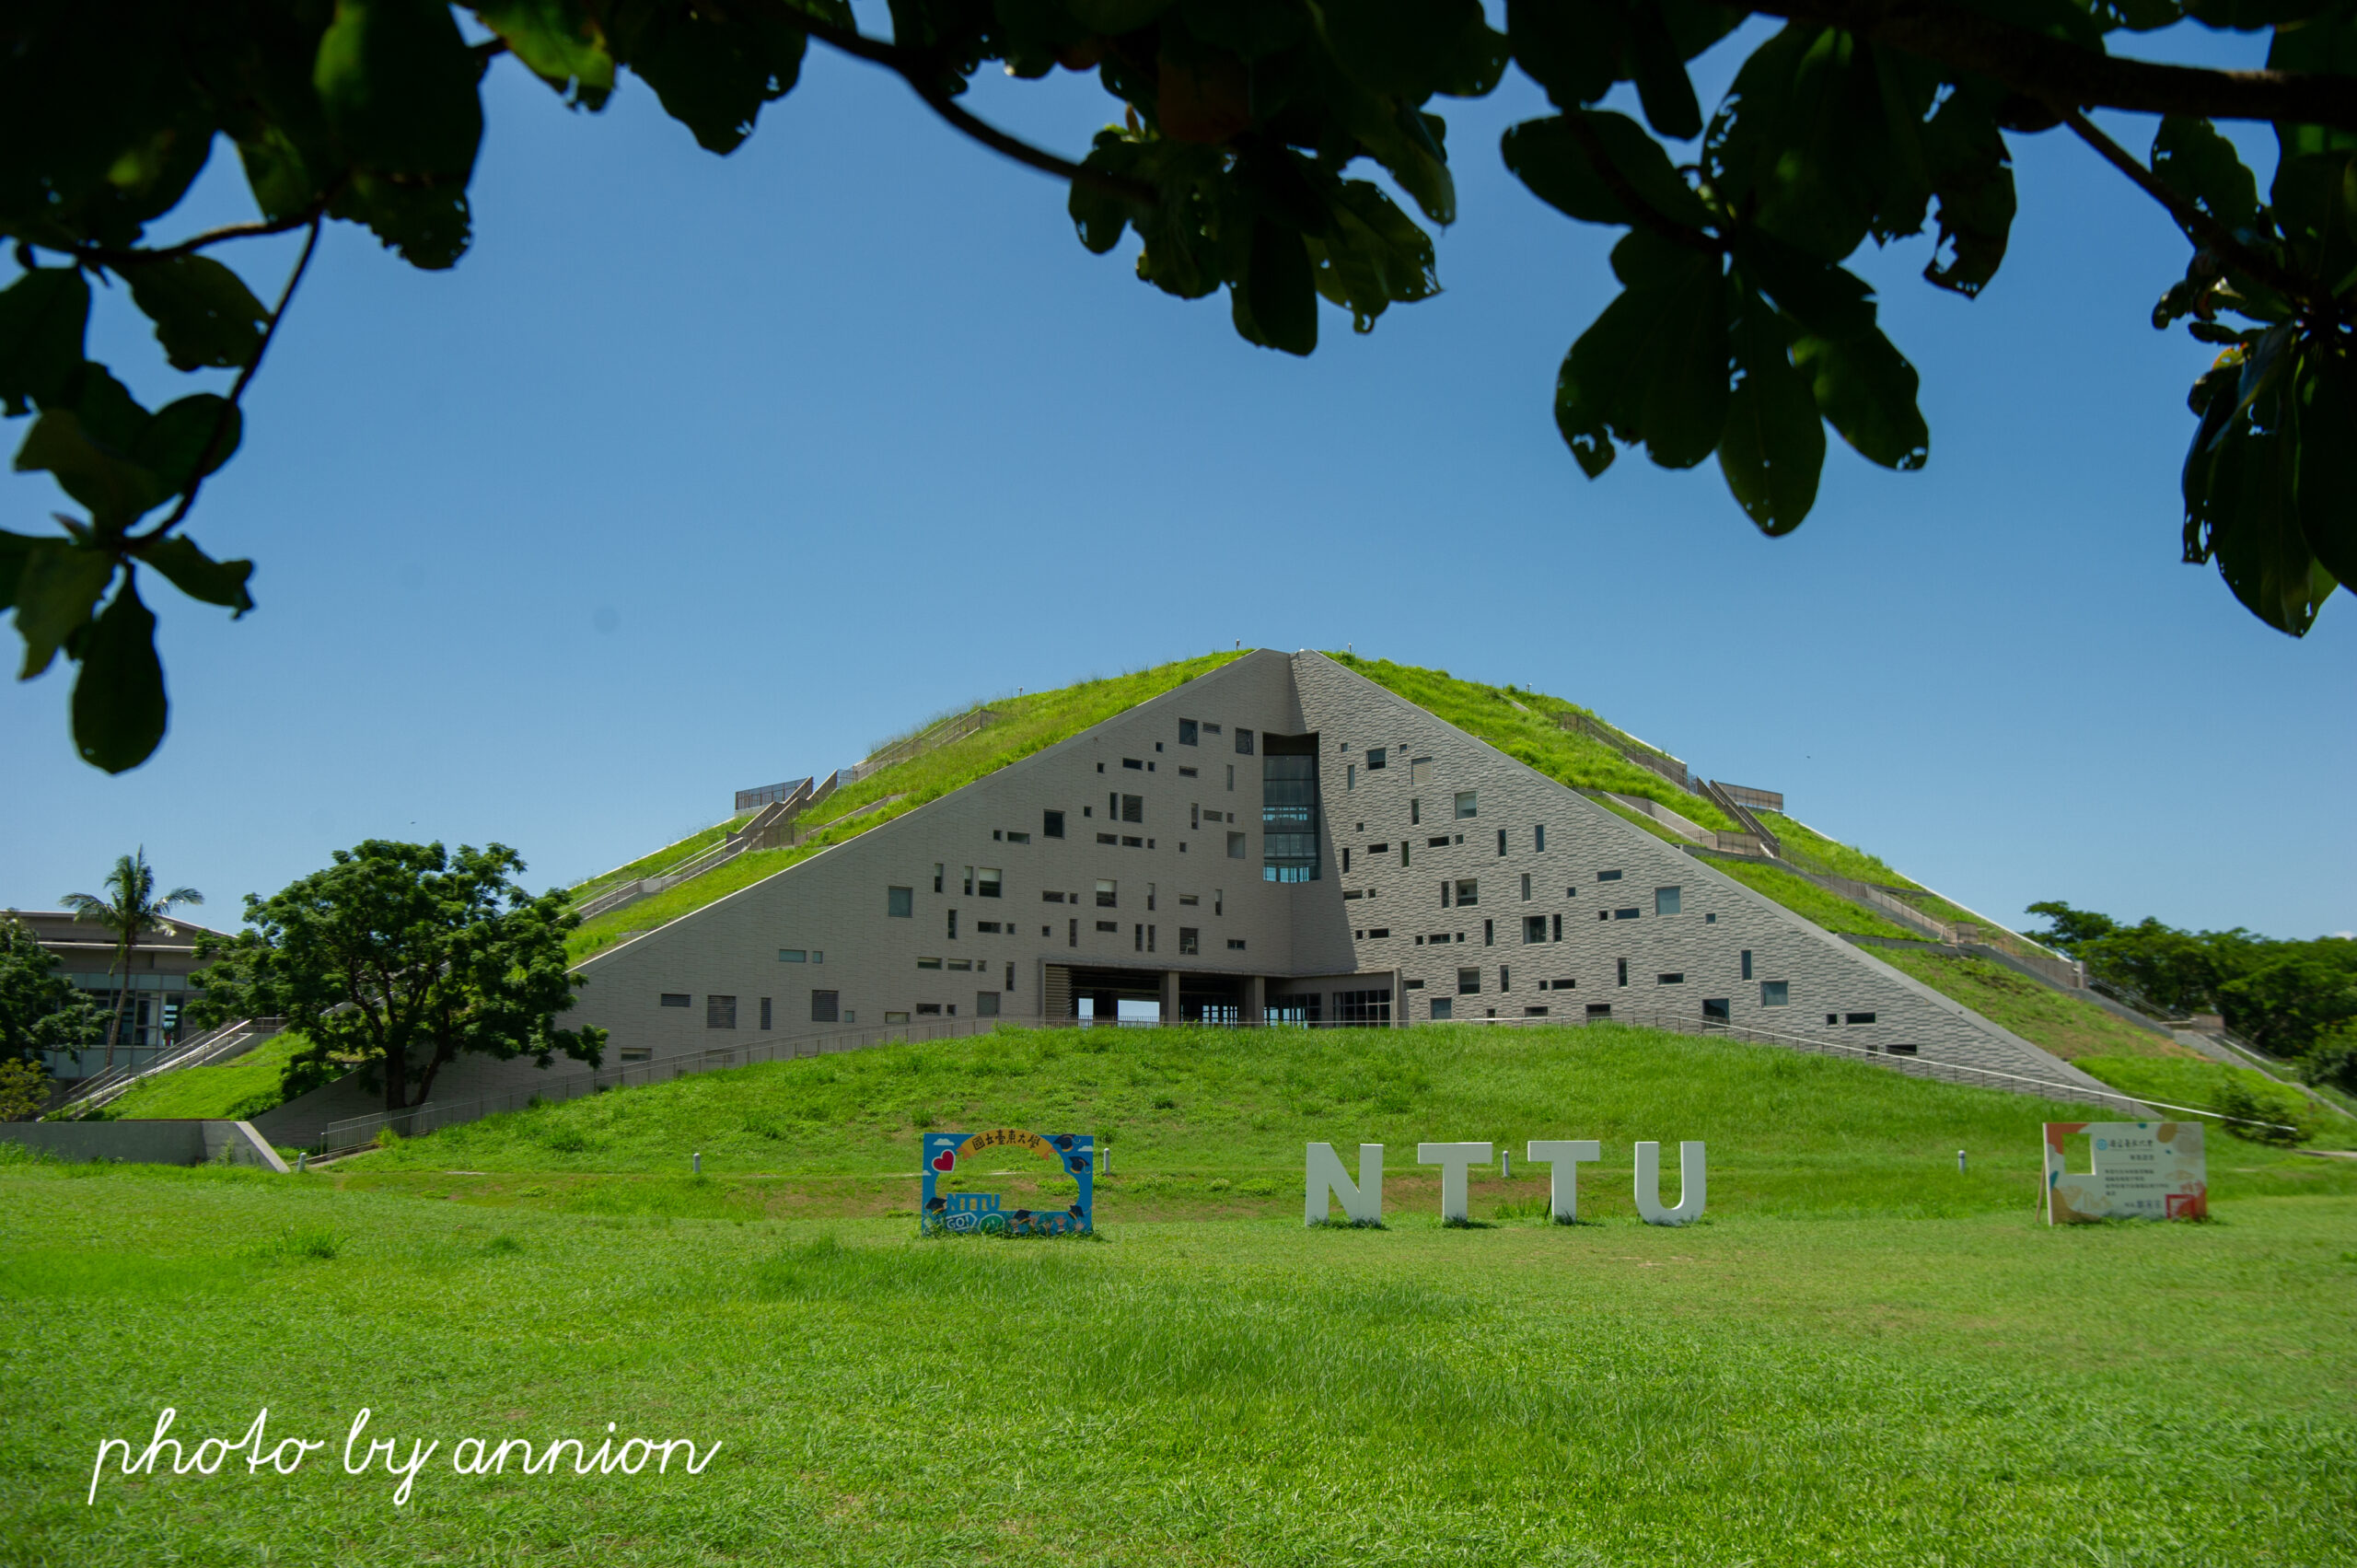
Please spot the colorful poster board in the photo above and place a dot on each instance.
(969, 1213)
(2150, 1170)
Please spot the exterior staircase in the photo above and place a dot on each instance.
(207, 1050)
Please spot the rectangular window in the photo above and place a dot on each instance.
(1558, 928)
(1440, 842)
(1626, 914)
(928, 963)
(1534, 928)
(1350, 776)
(965, 964)
(1072, 932)
(1133, 809)
(1608, 876)
(1236, 846)
(969, 881)
(1857, 1017)
(1346, 859)
(1051, 824)
(1443, 1009)
(1526, 887)
(1231, 775)
(1746, 963)
(1404, 852)
(1189, 900)
(1468, 802)
(1468, 890)
(1676, 977)
(1598, 1010)
(1623, 970)
(1235, 943)
(1195, 816)
(1489, 934)
(1134, 762)
(937, 869)
(1444, 894)
(1468, 982)
(987, 882)
(1051, 898)
(1378, 933)
(638, 1053)
(1664, 900)
(990, 928)
(1110, 926)
(1219, 901)
(720, 1012)
(1190, 773)
(928, 1009)
(1375, 757)
(900, 902)
(1107, 895)
(1420, 771)
(1415, 812)
(1149, 897)
(1010, 973)
(1775, 992)
(765, 1015)
(986, 1004)
(1502, 841)
(1109, 838)
(1188, 732)
(1505, 978)
(895, 1017)
(677, 999)
(1538, 835)
(1244, 743)
(953, 925)
(1189, 940)
(793, 956)
(1715, 1010)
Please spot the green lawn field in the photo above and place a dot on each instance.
(1859, 1356)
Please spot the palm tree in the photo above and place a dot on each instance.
(130, 910)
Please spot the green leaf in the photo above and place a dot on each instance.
(1572, 48)
(118, 704)
(426, 226)
(2324, 43)
(2191, 158)
(1396, 137)
(178, 437)
(58, 584)
(1114, 18)
(397, 85)
(1865, 388)
(1411, 49)
(43, 316)
(1973, 178)
(2324, 471)
(2240, 483)
(559, 41)
(200, 577)
(1374, 255)
(1246, 28)
(1660, 74)
(713, 68)
(1276, 305)
(1774, 446)
(14, 550)
(103, 478)
(1653, 367)
(1806, 144)
(1547, 157)
(1827, 301)
(205, 315)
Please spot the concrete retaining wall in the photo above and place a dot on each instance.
(176, 1141)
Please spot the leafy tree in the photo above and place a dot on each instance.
(130, 910)
(1245, 127)
(397, 958)
(2291, 998)
(2069, 929)
(2333, 1059)
(40, 1008)
(24, 1089)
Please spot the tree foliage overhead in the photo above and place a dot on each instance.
(395, 960)
(1249, 141)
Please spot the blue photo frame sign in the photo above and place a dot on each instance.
(980, 1214)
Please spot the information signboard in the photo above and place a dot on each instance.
(2142, 1170)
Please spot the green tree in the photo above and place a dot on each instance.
(1245, 129)
(398, 957)
(40, 1008)
(2069, 929)
(24, 1089)
(2296, 995)
(130, 909)
(2333, 1059)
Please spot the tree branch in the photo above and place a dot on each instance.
(117, 259)
(2050, 70)
(920, 69)
(237, 394)
(2193, 219)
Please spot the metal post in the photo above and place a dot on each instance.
(1959, 1161)
(697, 1161)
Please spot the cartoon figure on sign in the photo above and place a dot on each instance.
(967, 1213)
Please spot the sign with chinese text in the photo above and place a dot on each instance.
(2142, 1170)
(1071, 1155)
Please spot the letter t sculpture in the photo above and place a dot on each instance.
(1454, 1159)
(1563, 1154)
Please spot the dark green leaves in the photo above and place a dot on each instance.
(2201, 166)
(118, 704)
(200, 577)
(560, 40)
(1774, 445)
(117, 458)
(1862, 385)
(205, 315)
(397, 84)
(1653, 367)
(1276, 305)
(43, 317)
(1563, 162)
(1412, 49)
(2270, 479)
(713, 67)
(57, 584)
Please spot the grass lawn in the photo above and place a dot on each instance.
(1872, 1388)
(2067, 1026)
(1811, 903)
(246, 1086)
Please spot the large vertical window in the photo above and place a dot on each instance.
(1133, 809)
(1051, 824)
(1289, 815)
(1188, 732)
(1244, 743)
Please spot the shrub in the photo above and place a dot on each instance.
(2261, 1115)
(24, 1089)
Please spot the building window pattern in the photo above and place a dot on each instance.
(1289, 815)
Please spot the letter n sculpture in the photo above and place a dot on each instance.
(971, 1213)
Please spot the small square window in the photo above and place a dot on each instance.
(1468, 890)
(1190, 939)
(986, 1004)
(1468, 982)
(720, 1012)
(1443, 1009)
(987, 882)
(1108, 895)
(1375, 757)
(1715, 1010)
(1244, 743)
(1468, 802)
(1664, 900)
(1775, 992)
(900, 902)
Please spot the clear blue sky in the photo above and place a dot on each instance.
(699, 473)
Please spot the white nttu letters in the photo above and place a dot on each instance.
(1363, 1199)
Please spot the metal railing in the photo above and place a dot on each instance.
(234, 1039)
